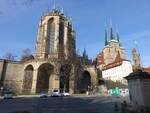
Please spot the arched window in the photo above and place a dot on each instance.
(27, 81)
(51, 34)
(61, 33)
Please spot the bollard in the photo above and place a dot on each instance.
(116, 107)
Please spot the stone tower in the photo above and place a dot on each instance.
(55, 64)
(56, 36)
(112, 48)
(136, 59)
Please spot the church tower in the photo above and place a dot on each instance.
(112, 48)
(56, 36)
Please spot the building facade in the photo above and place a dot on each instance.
(55, 64)
(117, 71)
(112, 60)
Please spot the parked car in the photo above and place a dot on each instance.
(43, 95)
(8, 95)
(55, 93)
(65, 94)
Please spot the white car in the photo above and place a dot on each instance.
(8, 95)
(55, 93)
(43, 95)
(65, 94)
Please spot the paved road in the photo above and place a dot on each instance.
(61, 104)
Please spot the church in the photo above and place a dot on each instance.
(112, 61)
(55, 64)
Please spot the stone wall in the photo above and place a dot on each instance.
(13, 76)
(1, 70)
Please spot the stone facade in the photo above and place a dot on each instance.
(117, 71)
(55, 64)
(112, 60)
(111, 50)
(139, 85)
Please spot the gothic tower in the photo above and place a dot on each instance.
(112, 48)
(56, 36)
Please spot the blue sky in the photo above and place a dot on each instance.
(19, 24)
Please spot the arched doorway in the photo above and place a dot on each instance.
(84, 82)
(64, 77)
(27, 81)
(44, 72)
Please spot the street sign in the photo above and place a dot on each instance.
(114, 92)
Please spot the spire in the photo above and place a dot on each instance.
(118, 37)
(117, 33)
(85, 55)
(106, 41)
(54, 5)
(62, 11)
(111, 33)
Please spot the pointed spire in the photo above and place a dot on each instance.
(111, 31)
(54, 5)
(106, 41)
(111, 34)
(117, 33)
(85, 55)
(118, 37)
(62, 11)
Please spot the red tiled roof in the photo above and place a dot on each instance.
(100, 59)
(146, 70)
(112, 65)
(117, 62)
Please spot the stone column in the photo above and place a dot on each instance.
(66, 41)
(72, 81)
(34, 81)
(53, 82)
(71, 86)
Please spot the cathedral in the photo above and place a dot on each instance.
(112, 60)
(55, 64)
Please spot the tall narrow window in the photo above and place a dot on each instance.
(61, 33)
(51, 34)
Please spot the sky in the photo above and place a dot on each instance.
(19, 21)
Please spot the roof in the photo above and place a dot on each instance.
(146, 70)
(112, 65)
(113, 41)
(138, 74)
(100, 59)
(118, 61)
(107, 46)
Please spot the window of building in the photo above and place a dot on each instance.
(61, 33)
(51, 34)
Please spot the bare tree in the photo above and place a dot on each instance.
(26, 53)
(10, 56)
(65, 74)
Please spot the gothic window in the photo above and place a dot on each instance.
(61, 33)
(51, 34)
